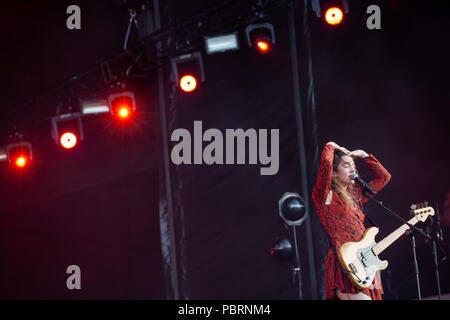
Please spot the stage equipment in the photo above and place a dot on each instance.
(221, 43)
(122, 104)
(281, 248)
(93, 105)
(19, 154)
(67, 129)
(260, 36)
(187, 71)
(292, 211)
(334, 10)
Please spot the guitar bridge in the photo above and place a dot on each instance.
(354, 270)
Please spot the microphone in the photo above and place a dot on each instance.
(363, 184)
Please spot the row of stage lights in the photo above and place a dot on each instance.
(259, 36)
(187, 73)
(67, 128)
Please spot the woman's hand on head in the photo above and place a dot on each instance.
(337, 147)
(359, 154)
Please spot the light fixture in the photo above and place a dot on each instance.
(334, 10)
(19, 154)
(281, 248)
(260, 36)
(221, 43)
(292, 209)
(334, 16)
(3, 155)
(187, 71)
(122, 104)
(67, 129)
(93, 105)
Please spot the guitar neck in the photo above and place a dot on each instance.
(390, 239)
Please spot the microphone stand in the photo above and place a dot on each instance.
(410, 232)
(438, 236)
(296, 270)
(416, 266)
(436, 269)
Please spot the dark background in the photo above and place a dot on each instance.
(383, 91)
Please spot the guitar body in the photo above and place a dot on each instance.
(360, 261)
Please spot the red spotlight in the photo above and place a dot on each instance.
(263, 45)
(122, 104)
(334, 16)
(20, 156)
(21, 161)
(187, 71)
(68, 140)
(67, 129)
(124, 112)
(188, 83)
(261, 36)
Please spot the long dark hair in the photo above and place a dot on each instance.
(349, 195)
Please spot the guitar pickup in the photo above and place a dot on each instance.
(354, 270)
(362, 259)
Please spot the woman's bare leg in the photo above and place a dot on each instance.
(352, 296)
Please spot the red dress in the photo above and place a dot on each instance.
(344, 223)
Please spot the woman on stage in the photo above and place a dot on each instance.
(338, 202)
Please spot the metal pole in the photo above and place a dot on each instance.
(297, 269)
(301, 145)
(416, 267)
(165, 143)
(436, 269)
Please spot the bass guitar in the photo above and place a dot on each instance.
(360, 259)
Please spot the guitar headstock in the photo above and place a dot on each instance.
(421, 210)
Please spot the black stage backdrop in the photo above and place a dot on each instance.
(103, 207)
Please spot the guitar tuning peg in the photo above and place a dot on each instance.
(426, 203)
(413, 206)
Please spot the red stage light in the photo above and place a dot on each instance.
(122, 104)
(68, 140)
(263, 45)
(124, 111)
(19, 154)
(21, 161)
(334, 16)
(188, 83)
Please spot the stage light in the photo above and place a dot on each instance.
(188, 83)
(222, 43)
(123, 112)
(187, 71)
(122, 104)
(68, 140)
(67, 129)
(19, 154)
(292, 209)
(263, 45)
(334, 16)
(281, 249)
(3, 155)
(93, 105)
(335, 10)
(21, 161)
(260, 36)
